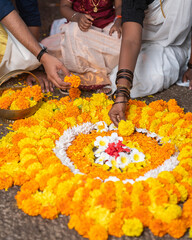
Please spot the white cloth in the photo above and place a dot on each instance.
(17, 57)
(165, 47)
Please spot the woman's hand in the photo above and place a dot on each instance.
(52, 66)
(188, 76)
(117, 112)
(84, 21)
(116, 27)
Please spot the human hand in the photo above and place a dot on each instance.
(188, 76)
(117, 112)
(52, 66)
(43, 81)
(116, 27)
(84, 22)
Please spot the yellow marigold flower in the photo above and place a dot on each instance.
(46, 198)
(101, 215)
(167, 212)
(27, 141)
(190, 233)
(126, 128)
(33, 167)
(132, 227)
(64, 187)
(73, 79)
(183, 191)
(168, 176)
(78, 194)
(181, 171)
(71, 120)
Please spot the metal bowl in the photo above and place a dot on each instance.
(17, 114)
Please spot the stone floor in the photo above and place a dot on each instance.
(16, 225)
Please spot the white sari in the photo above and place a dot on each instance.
(165, 47)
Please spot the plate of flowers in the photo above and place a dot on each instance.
(19, 102)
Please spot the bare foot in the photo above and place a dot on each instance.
(44, 83)
(106, 90)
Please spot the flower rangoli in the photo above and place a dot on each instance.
(69, 159)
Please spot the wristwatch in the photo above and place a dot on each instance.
(43, 50)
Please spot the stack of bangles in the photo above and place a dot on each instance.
(123, 90)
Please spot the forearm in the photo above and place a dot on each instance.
(35, 31)
(67, 11)
(21, 32)
(118, 5)
(130, 47)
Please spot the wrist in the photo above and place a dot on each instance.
(41, 53)
(74, 17)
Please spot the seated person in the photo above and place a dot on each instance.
(155, 43)
(19, 48)
(89, 43)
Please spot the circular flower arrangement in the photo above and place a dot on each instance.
(70, 159)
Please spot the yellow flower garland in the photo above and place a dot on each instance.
(98, 208)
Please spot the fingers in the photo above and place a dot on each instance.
(114, 119)
(111, 31)
(85, 22)
(89, 17)
(30, 81)
(119, 33)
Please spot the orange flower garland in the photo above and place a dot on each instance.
(100, 200)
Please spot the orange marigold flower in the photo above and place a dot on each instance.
(20, 178)
(98, 232)
(5, 102)
(49, 212)
(6, 180)
(31, 206)
(73, 79)
(176, 228)
(115, 226)
(157, 227)
(74, 93)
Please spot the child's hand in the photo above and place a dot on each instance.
(116, 27)
(84, 21)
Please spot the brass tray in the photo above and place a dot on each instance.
(17, 114)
